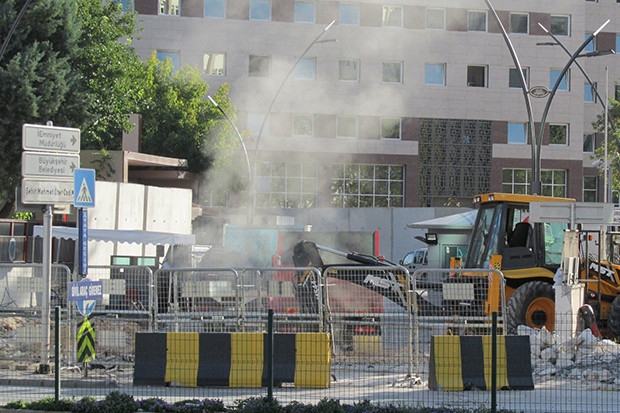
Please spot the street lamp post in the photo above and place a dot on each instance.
(536, 141)
(316, 40)
(250, 214)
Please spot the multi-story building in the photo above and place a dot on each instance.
(417, 103)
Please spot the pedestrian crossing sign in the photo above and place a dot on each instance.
(84, 188)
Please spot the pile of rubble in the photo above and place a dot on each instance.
(592, 361)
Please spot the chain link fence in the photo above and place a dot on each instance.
(394, 337)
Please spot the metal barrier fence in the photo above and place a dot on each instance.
(414, 339)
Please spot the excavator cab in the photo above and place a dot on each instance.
(502, 228)
(527, 253)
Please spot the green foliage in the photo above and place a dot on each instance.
(613, 141)
(111, 69)
(176, 116)
(37, 81)
(117, 402)
(48, 404)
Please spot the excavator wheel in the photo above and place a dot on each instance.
(613, 320)
(532, 305)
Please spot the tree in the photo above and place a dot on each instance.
(37, 82)
(111, 70)
(177, 120)
(613, 142)
(71, 62)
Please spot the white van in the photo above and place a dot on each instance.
(415, 259)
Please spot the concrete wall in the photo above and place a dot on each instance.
(395, 238)
(125, 206)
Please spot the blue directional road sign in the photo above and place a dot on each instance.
(85, 293)
(84, 188)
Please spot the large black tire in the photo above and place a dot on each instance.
(532, 305)
(613, 319)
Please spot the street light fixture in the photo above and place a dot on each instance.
(316, 40)
(250, 214)
(536, 142)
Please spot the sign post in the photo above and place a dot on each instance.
(49, 158)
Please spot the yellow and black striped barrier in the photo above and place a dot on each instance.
(464, 363)
(231, 359)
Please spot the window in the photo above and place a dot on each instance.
(590, 184)
(286, 185)
(435, 74)
(390, 128)
(517, 181)
(367, 186)
(214, 64)
(517, 133)
(514, 80)
(162, 56)
(347, 127)
(588, 142)
(617, 42)
(558, 134)
(589, 94)
(560, 25)
(617, 91)
(519, 23)
(590, 47)
(304, 12)
(260, 9)
(554, 75)
(349, 70)
(553, 182)
(128, 5)
(303, 125)
(477, 76)
(305, 68)
(476, 21)
(259, 66)
(254, 123)
(215, 8)
(393, 16)
(392, 72)
(170, 7)
(349, 14)
(435, 19)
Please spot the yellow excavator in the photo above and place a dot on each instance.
(529, 255)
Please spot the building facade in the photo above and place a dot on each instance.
(405, 103)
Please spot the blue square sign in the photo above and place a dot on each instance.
(84, 188)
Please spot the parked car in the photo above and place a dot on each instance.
(415, 259)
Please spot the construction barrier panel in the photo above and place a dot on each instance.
(231, 359)
(464, 363)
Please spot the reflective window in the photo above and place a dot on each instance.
(349, 14)
(170, 7)
(259, 66)
(173, 56)
(517, 133)
(305, 68)
(304, 12)
(392, 72)
(554, 75)
(348, 70)
(390, 128)
(215, 8)
(367, 186)
(435, 74)
(214, 64)
(393, 16)
(476, 21)
(519, 23)
(260, 9)
(560, 25)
